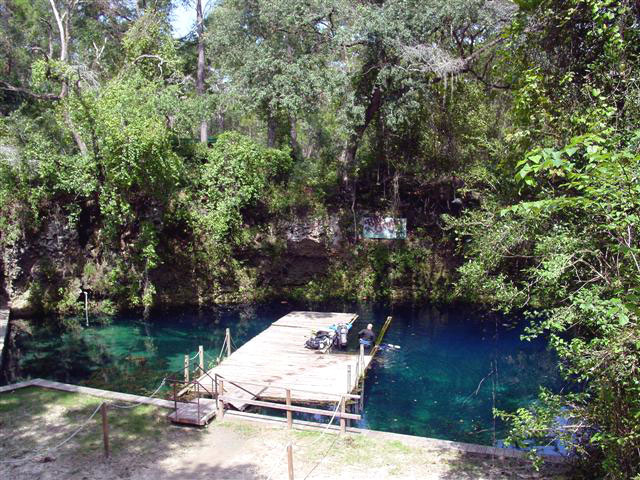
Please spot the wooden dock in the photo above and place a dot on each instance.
(278, 357)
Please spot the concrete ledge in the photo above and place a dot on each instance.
(16, 386)
(94, 392)
(411, 440)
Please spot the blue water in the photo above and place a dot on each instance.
(453, 367)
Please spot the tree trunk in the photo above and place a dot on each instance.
(64, 44)
(64, 31)
(204, 127)
(395, 205)
(293, 133)
(348, 155)
(272, 130)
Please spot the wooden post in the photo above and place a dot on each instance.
(362, 357)
(86, 307)
(348, 378)
(201, 359)
(228, 334)
(343, 421)
(290, 460)
(175, 400)
(105, 429)
(289, 412)
(220, 405)
(186, 368)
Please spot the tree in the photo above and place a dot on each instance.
(201, 66)
(563, 248)
(278, 55)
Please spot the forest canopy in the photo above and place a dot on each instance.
(506, 132)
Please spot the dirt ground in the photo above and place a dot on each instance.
(145, 446)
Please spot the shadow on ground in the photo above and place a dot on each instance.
(145, 446)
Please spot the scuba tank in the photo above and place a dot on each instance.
(342, 335)
(318, 341)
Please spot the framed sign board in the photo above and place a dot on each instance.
(389, 228)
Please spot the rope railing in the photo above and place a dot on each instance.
(143, 401)
(326, 428)
(309, 445)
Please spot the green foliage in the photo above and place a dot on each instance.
(148, 44)
(238, 173)
(526, 117)
(565, 249)
(376, 271)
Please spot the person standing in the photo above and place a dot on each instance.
(366, 336)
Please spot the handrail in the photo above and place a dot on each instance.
(190, 382)
(293, 408)
(293, 389)
(205, 372)
(241, 388)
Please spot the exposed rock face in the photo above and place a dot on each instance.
(303, 233)
(310, 243)
(47, 270)
(11, 353)
(39, 262)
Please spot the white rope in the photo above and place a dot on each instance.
(194, 357)
(321, 458)
(141, 401)
(224, 343)
(274, 465)
(38, 452)
(326, 429)
(318, 439)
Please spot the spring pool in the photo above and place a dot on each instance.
(454, 365)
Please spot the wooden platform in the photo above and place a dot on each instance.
(277, 356)
(188, 412)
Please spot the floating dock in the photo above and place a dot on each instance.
(278, 357)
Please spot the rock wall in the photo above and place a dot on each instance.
(39, 261)
(305, 258)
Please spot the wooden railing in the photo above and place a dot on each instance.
(217, 391)
(192, 385)
(340, 411)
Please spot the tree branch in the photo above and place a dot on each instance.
(63, 43)
(24, 91)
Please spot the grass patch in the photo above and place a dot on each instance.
(399, 447)
(240, 427)
(33, 399)
(33, 419)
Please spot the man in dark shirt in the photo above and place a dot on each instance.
(366, 336)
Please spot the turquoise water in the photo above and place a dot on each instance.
(453, 366)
